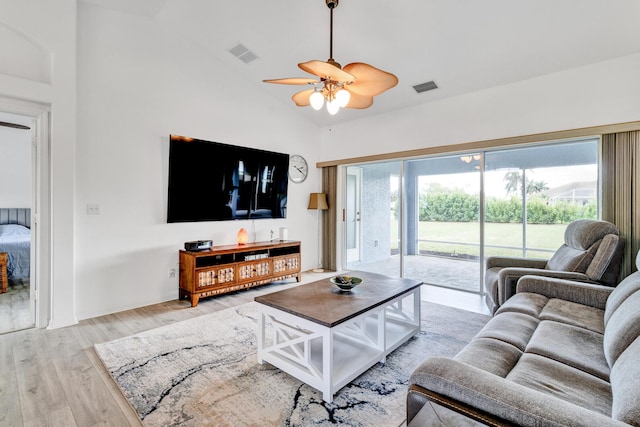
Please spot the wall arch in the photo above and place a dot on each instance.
(21, 56)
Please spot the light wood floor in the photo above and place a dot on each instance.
(54, 378)
(15, 313)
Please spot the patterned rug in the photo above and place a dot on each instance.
(204, 371)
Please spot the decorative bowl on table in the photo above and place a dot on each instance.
(346, 283)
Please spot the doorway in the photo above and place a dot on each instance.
(372, 217)
(443, 229)
(18, 220)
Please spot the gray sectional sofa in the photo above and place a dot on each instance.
(558, 353)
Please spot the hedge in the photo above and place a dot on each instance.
(459, 206)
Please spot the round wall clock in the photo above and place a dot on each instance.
(298, 168)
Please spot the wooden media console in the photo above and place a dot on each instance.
(229, 268)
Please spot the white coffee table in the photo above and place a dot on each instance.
(326, 337)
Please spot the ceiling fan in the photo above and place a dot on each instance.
(353, 86)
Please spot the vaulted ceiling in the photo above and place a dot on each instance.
(462, 45)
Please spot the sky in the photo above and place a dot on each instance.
(495, 185)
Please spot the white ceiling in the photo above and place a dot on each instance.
(463, 45)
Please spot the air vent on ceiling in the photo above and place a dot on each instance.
(423, 87)
(242, 53)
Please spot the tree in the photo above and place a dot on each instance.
(513, 180)
(534, 187)
(514, 184)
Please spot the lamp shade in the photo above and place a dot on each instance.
(318, 201)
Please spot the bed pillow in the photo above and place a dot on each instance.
(14, 230)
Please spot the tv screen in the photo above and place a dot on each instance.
(211, 181)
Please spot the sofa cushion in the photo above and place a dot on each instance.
(571, 345)
(609, 252)
(513, 328)
(573, 313)
(564, 382)
(525, 303)
(491, 355)
(583, 233)
(625, 385)
(581, 241)
(626, 288)
(567, 258)
(622, 328)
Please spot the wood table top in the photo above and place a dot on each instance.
(324, 303)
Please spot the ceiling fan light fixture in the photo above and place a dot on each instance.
(333, 107)
(343, 97)
(316, 99)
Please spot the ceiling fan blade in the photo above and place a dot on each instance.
(302, 98)
(358, 101)
(14, 125)
(293, 81)
(326, 71)
(369, 80)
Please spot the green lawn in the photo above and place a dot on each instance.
(539, 236)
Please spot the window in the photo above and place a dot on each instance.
(531, 194)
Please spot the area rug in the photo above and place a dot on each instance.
(204, 371)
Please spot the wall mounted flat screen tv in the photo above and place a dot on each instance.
(211, 181)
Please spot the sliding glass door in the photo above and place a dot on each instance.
(437, 219)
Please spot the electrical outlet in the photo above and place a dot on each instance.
(172, 273)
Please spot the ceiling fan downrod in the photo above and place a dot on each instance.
(332, 4)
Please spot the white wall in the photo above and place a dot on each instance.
(139, 82)
(51, 27)
(598, 94)
(15, 168)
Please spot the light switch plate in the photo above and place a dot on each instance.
(93, 209)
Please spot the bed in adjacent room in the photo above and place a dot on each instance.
(15, 240)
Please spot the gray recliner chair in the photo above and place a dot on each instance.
(592, 252)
